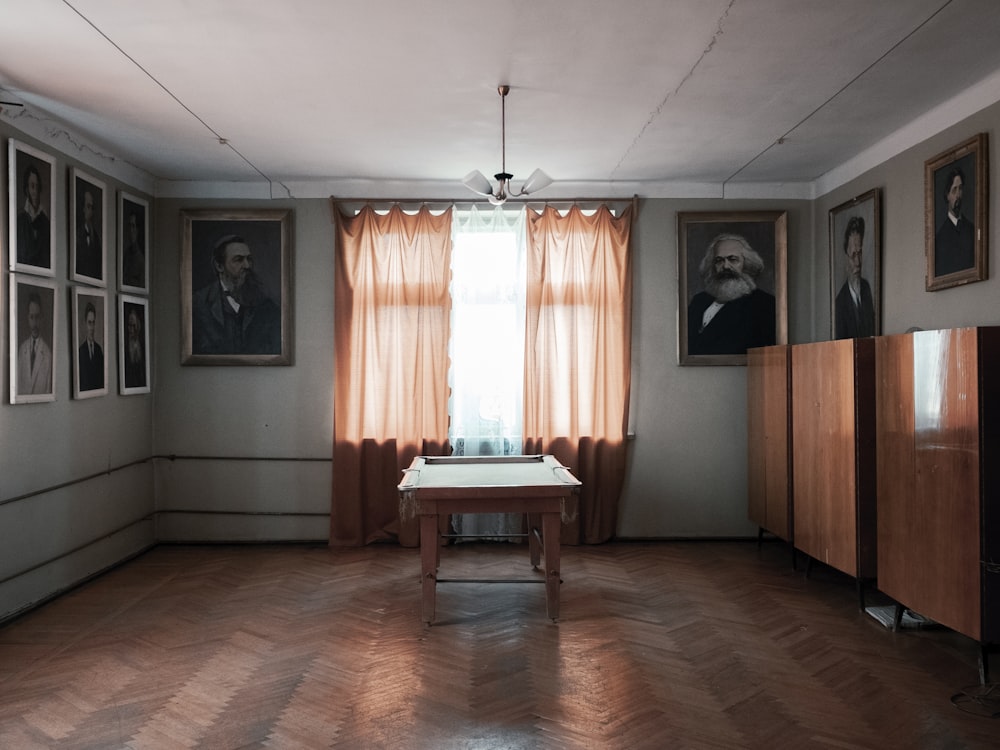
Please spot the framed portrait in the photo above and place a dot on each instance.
(90, 342)
(856, 267)
(732, 276)
(33, 346)
(32, 197)
(956, 214)
(133, 243)
(87, 240)
(235, 282)
(133, 345)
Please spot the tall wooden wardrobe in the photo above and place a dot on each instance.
(833, 460)
(938, 433)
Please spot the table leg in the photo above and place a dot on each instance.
(534, 543)
(428, 564)
(551, 523)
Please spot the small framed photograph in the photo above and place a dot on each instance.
(856, 267)
(133, 243)
(33, 346)
(732, 280)
(133, 348)
(32, 192)
(235, 287)
(956, 214)
(87, 224)
(90, 338)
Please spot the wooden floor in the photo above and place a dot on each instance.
(666, 645)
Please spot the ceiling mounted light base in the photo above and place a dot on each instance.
(498, 194)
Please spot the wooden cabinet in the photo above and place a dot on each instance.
(769, 459)
(938, 433)
(833, 455)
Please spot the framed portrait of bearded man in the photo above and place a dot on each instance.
(733, 289)
(236, 287)
(956, 215)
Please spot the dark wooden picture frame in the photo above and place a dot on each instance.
(756, 318)
(133, 345)
(90, 357)
(87, 233)
(241, 257)
(957, 252)
(133, 243)
(856, 267)
(34, 309)
(32, 237)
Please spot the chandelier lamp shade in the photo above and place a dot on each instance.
(498, 194)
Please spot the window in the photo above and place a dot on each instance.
(486, 350)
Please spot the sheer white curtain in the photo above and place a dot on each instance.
(487, 347)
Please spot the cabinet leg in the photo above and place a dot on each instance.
(985, 649)
(897, 617)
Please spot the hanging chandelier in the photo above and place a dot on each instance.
(476, 181)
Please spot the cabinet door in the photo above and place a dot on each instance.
(768, 465)
(927, 436)
(833, 487)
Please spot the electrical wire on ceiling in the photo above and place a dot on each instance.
(659, 109)
(780, 140)
(218, 137)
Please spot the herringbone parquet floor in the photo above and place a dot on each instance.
(666, 645)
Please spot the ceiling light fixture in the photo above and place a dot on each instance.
(477, 182)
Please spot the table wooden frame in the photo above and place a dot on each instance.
(435, 486)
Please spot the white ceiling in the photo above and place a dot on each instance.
(399, 97)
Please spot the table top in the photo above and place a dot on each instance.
(487, 475)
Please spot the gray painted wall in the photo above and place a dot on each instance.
(252, 445)
(76, 482)
(280, 416)
(901, 178)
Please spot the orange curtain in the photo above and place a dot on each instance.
(578, 356)
(391, 328)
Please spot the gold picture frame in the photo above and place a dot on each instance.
(957, 248)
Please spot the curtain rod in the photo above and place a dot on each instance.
(336, 202)
(453, 201)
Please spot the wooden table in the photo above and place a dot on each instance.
(539, 486)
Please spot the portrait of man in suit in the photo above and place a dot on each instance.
(35, 370)
(955, 239)
(133, 244)
(233, 313)
(32, 198)
(90, 355)
(956, 214)
(88, 247)
(236, 266)
(854, 307)
(33, 227)
(731, 314)
(134, 354)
